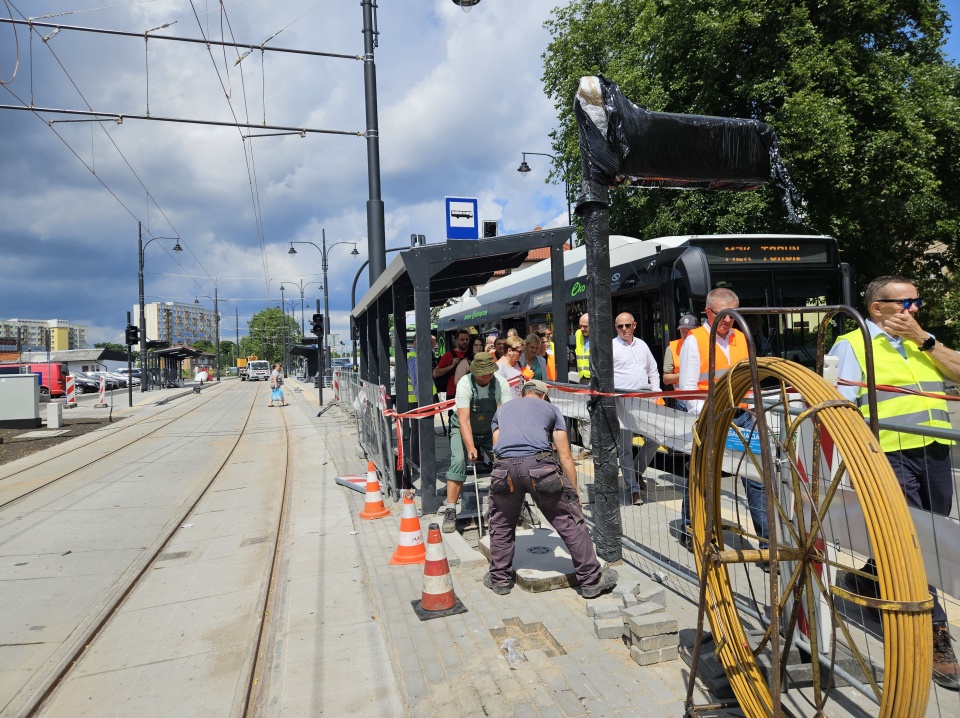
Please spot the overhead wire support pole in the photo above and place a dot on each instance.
(120, 117)
(192, 40)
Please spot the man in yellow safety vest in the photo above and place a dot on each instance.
(907, 357)
(582, 353)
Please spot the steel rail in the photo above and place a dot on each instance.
(67, 665)
(74, 470)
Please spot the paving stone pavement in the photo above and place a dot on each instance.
(453, 666)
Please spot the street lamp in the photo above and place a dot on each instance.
(326, 286)
(143, 321)
(524, 169)
(302, 286)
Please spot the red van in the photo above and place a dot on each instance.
(53, 376)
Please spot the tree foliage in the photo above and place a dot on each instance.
(866, 106)
(265, 333)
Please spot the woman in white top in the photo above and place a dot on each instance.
(508, 366)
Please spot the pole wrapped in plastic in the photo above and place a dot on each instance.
(620, 142)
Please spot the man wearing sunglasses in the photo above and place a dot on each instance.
(908, 357)
(634, 369)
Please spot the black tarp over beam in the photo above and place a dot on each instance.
(622, 142)
(424, 277)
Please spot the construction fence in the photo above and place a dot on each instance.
(811, 491)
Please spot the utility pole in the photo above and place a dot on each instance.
(216, 324)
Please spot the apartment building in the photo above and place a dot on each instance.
(33, 333)
(177, 323)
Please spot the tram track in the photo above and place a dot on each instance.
(5, 480)
(254, 661)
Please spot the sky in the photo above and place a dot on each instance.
(460, 97)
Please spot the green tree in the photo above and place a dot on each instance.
(203, 345)
(112, 346)
(866, 106)
(265, 334)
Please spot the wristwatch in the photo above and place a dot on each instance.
(929, 344)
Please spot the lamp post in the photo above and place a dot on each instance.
(326, 286)
(283, 331)
(143, 321)
(302, 286)
(524, 169)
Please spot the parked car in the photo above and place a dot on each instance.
(84, 383)
(110, 382)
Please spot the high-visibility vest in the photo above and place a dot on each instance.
(551, 367)
(738, 352)
(675, 353)
(411, 394)
(918, 373)
(583, 356)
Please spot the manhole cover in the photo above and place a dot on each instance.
(538, 549)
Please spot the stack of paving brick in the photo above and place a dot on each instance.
(636, 612)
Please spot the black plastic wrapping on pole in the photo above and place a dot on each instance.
(620, 141)
(605, 427)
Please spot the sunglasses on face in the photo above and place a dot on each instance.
(905, 303)
(624, 326)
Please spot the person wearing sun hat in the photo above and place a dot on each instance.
(479, 394)
(524, 434)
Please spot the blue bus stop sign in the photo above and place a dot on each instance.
(462, 220)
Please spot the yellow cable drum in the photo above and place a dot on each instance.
(904, 598)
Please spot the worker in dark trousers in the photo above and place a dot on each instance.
(523, 431)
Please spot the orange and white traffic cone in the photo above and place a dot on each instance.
(410, 548)
(373, 506)
(438, 599)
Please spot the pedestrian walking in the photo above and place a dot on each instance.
(908, 357)
(523, 434)
(276, 382)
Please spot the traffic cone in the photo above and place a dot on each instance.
(438, 599)
(410, 548)
(373, 507)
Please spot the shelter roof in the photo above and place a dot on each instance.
(452, 267)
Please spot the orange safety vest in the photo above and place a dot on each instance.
(738, 352)
(675, 346)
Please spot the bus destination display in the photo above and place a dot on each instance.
(766, 252)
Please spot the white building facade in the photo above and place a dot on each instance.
(177, 323)
(33, 333)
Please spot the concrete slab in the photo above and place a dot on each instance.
(353, 481)
(41, 434)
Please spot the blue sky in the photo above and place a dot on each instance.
(460, 97)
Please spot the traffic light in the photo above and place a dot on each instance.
(489, 229)
(133, 335)
(316, 325)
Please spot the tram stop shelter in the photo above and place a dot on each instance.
(424, 277)
(165, 366)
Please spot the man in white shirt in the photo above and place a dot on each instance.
(634, 369)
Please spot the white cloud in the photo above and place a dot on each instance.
(460, 97)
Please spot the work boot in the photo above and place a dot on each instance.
(636, 499)
(946, 671)
(449, 520)
(608, 579)
(498, 588)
